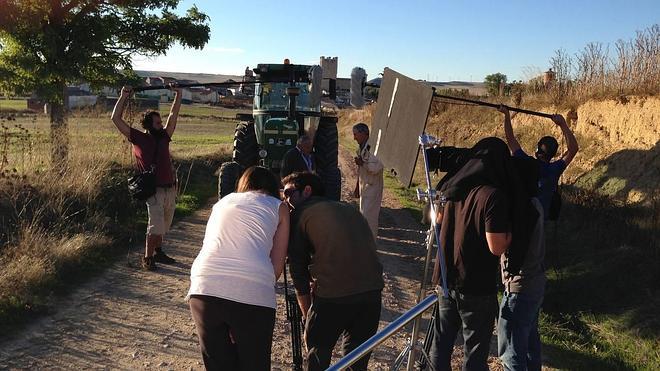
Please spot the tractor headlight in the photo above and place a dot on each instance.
(263, 153)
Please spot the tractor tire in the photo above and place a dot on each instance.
(326, 145)
(331, 178)
(227, 178)
(246, 151)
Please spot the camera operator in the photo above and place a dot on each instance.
(484, 216)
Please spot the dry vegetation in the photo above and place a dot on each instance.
(601, 71)
(59, 224)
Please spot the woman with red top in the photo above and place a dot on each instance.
(152, 148)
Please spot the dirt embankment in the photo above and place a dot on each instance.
(619, 148)
(619, 141)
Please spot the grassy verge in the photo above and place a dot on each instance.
(59, 228)
(203, 110)
(601, 303)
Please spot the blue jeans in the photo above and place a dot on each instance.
(518, 340)
(475, 316)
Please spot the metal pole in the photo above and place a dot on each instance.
(425, 141)
(199, 84)
(480, 103)
(385, 333)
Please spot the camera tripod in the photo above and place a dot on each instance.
(413, 345)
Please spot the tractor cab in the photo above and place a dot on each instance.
(287, 104)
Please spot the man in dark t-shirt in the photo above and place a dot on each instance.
(152, 150)
(475, 230)
(332, 250)
(549, 171)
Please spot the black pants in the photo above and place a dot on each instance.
(355, 318)
(251, 328)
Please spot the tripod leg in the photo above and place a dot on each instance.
(401, 357)
(422, 362)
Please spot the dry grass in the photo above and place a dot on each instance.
(56, 221)
(602, 71)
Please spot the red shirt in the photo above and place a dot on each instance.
(144, 148)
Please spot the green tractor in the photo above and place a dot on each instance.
(287, 104)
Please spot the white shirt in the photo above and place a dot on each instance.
(234, 262)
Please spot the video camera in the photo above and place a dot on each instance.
(447, 158)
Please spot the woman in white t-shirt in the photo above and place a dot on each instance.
(232, 281)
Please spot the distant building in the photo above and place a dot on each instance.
(164, 95)
(343, 91)
(248, 89)
(329, 65)
(204, 95)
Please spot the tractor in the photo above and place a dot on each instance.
(287, 104)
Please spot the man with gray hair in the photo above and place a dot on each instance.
(369, 187)
(299, 158)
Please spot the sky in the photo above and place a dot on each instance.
(441, 40)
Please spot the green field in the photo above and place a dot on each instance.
(28, 135)
(187, 110)
(202, 110)
(13, 104)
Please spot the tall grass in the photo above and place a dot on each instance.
(58, 221)
(602, 70)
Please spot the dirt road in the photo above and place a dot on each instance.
(131, 319)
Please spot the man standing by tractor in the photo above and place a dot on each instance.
(299, 158)
(335, 270)
(369, 187)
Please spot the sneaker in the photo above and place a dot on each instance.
(148, 263)
(161, 257)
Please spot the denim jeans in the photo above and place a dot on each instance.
(475, 316)
(518, 340)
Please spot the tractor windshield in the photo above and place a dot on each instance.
(272, 97)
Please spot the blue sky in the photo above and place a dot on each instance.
(423, 39)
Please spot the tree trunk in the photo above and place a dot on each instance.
(59, 136)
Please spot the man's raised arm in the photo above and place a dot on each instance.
(118, 112)
(174, 113)
(511, 140)
(571, 141)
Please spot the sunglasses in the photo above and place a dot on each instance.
(289, 192)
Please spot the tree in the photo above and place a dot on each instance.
(371, 92)
(494, 82)
(45, 44)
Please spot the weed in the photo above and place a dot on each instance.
(59, 226)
